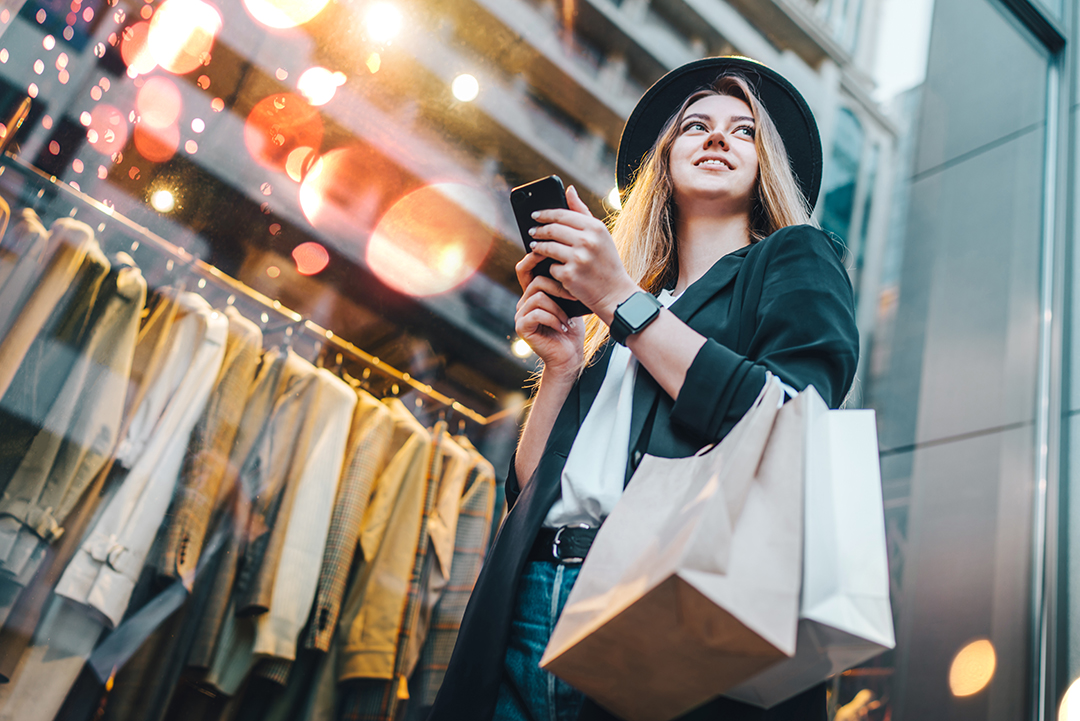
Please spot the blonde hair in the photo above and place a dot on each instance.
(644, 230)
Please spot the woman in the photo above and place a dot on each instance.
(710, 277)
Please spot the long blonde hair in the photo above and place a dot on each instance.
(644, 230)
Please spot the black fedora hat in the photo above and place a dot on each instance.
(786, 107)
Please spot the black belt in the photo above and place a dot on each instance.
(568, 544)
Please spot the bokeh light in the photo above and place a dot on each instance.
(108, 130)
(279, 124)
(157, 144)
(1070, 703)
(300, 162)
(465, 88)
(382, 22)
(319, 85)
(614, 199)
(311, 258)
(520, 348)
(433, 239)
(182, 34)
(284, 13)
(158, 102)
(972, 668)
(347, 188)
(163, 201)
(135, 50)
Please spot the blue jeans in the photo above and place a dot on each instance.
(527, 692)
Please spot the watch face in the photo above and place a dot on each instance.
(638, 309)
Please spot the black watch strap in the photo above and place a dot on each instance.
(633, 315)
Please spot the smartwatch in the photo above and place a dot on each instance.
(633, 315)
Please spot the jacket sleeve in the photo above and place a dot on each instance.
(803, 330)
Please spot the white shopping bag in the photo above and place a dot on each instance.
(844, 611)
(692, 584)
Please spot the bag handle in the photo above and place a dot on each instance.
(743, 462)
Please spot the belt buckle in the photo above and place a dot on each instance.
(573, 560)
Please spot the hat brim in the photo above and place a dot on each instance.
(787, 108)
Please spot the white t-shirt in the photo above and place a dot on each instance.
(592, 479)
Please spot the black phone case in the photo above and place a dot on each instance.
(542, 194)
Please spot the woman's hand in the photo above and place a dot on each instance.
(540, 322)
(587, 264)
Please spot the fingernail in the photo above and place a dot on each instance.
(536, 214)
(532, 246)
(573, 189)
(571, 322)
(532, 231)
(565, 329)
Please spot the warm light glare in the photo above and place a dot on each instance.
(107, 130)
(521, 349)
(163, 201)
(279, 124)
(182, 34)
(135, 50)
(311, 258)
(346, 189)
(299, 163)
(433, 239)
(319, 85)
(158, 102)
(1070, 704)
(614, 200)
(284, 13)
(383, 22)
(972, 668)
(465, 88)
(157, 145)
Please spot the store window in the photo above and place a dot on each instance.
(280, 231)
(842, 175)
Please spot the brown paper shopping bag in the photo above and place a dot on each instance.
(692, 583)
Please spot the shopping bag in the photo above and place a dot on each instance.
(845, 616)
(692, 584)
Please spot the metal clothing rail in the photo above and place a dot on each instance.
(196, 264)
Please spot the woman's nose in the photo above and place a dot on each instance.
(716, 138)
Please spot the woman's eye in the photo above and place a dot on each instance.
(694, 126)
(747, 130)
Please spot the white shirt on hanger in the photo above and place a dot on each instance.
(592, 479)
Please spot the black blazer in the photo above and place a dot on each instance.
(784, 305)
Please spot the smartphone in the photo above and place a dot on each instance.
(543, 194)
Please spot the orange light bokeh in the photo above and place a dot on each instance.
(284, 13)
(433, 239)
(158, 102)
(347, 189)
(135, 50)
(311, 258)
(157, 145)
(279, 124)
(182, 34)
(300, 162)
(107, 130)
(319, 85)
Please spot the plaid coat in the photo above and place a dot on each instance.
(477, 506)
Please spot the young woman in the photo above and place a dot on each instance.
(711, 275)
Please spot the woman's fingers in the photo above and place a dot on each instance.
(575, 203)
(535, 298)
(559, 252)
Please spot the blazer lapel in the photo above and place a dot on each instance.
(715, 279)
(646, 396)
(591, 380)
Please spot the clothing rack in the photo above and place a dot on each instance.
(195, 264)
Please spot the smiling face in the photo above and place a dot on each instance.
(713, 160)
